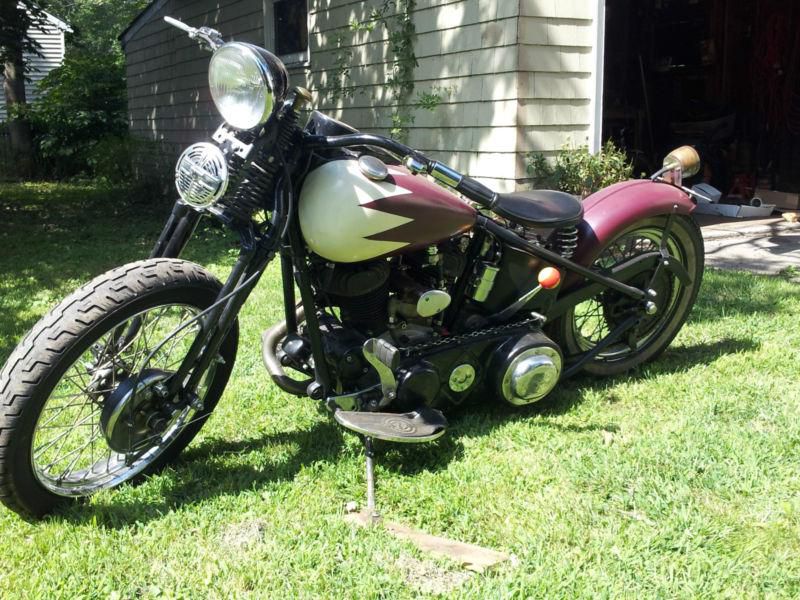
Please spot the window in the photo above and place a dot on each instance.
(290, 22)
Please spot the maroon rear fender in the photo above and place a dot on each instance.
(611, 210)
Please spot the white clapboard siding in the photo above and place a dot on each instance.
(50, 37)
(514, 76)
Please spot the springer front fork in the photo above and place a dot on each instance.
(218, 319)
(176, 233)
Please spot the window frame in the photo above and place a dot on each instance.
(295, 59)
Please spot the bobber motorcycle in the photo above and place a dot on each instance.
(419, 289)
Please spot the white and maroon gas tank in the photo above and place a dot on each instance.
(346, 217)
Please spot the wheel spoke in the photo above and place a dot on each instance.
(69, 451)
(69, 429)
(594, 319)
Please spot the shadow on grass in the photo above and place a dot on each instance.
(203, 472)
(57, 237)
(51, 242)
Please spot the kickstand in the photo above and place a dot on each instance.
(372, 512)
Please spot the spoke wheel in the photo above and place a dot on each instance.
(590, 322)
(71, 454)
(84, 398)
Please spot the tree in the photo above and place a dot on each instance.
(80, 117)
(97, 24)
(16, 20)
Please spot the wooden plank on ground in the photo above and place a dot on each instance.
(469, 556)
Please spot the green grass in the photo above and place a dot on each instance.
(679, 480)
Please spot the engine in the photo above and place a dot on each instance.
(389, 256)
(404, 300)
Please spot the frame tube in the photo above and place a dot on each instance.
(514, 240)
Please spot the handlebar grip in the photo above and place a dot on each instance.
(466, 185)
(476, 191)
(179, 24)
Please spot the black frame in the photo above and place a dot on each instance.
(258, 250)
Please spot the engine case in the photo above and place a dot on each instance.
(521, 370)
(527, 368)
(444, 378)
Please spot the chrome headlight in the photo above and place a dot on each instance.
(201, 175)
(246, 82)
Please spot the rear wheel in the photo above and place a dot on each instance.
(589, 323)
(83, 398)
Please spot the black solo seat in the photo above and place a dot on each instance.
(544, 209)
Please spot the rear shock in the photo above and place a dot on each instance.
(566, 241)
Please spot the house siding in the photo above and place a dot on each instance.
(167, 73)
(557, 76)
(466, 53)
(514, 76)
(51, 42)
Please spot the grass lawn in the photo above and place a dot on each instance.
(679, 480)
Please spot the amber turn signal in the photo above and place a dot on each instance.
(549, 278)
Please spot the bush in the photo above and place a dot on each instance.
(578, 171)
(83, 103)
(147, 167)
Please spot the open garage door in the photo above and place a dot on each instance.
(723, 75)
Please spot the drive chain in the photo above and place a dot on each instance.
(472, 336)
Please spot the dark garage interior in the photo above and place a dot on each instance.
(722, 75)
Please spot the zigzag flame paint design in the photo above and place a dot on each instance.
(346, 217)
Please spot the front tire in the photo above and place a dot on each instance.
(586, 325)
(55, 433)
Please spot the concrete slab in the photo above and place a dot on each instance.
(766, 246)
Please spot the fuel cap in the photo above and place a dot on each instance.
(373, 168)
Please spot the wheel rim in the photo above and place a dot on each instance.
(69, 452)
(593, 319)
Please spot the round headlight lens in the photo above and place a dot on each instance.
(241, 85)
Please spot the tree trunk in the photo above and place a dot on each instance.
(14, 90)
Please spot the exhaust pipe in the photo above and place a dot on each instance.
(269, 345)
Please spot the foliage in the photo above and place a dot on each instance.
(97, 24)
(431, 100)
(82, 103)
(395, 17)
(124, 159)
(340, 75)
(678, 480)
(578, 171)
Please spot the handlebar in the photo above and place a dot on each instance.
(415, 161)
(210, 39)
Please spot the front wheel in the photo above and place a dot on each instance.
(83, 403)
(589, 323)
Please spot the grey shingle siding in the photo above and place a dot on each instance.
(167, 72)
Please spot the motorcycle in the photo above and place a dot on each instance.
(419, 289)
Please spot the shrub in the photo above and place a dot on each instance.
(83, 102)
(146, 167)
(578, 171)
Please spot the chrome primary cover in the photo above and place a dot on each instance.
(531, 375)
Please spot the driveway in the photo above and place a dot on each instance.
(766, 246)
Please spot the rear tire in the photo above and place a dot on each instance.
(675, 301)
(60, 343)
